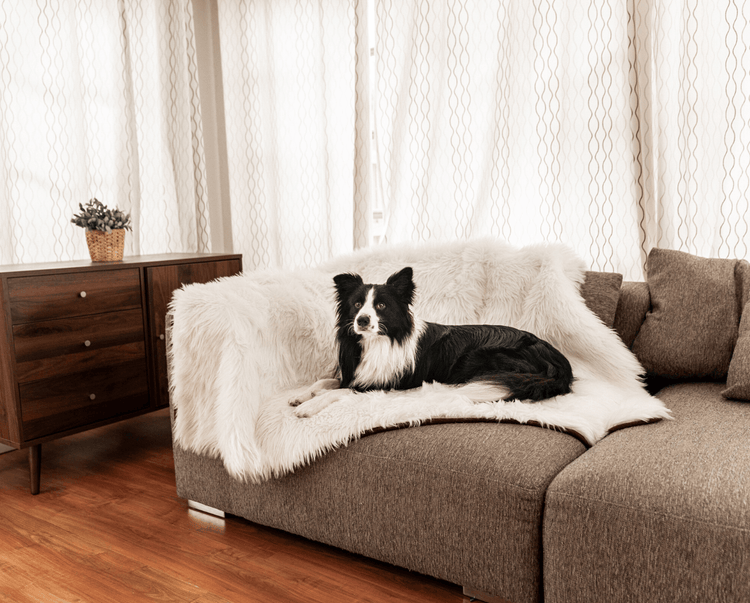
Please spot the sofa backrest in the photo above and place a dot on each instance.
(687, 320)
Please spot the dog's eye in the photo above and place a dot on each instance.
(357, 305)
(380, 306)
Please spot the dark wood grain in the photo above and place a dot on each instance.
(60, 403)
(129, 261)
(69, 326)
(57, 338)
(161, 283)
(35, 468)
(206, 271)
(58, 366)
(8, 394)
(62, 295)
(107, 526)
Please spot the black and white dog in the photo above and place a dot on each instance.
(382, 345)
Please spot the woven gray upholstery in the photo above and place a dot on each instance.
(658, 512)
(462, 502)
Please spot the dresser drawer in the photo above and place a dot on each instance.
(61, 366)
(62, 295)
(51, 338)
(56, 404)
(80, 346)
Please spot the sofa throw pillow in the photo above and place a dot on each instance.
(738, 378)
(601, 292)
(632, 308)
(692, 326)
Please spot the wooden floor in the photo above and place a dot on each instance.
(108, 527)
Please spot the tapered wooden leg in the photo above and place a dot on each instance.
(35, 467)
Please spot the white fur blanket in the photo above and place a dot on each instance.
(241, 345)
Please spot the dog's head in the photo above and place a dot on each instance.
(375, 310)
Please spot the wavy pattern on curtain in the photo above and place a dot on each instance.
(297, 134)
(99, 99)
(511, 119)
(694, 112)
(610, 126)
(613, 127)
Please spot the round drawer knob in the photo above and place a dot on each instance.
(82, 294)
(92, 397)
(87, 343)
(161, 336)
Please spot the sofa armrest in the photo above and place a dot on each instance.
(238, 341)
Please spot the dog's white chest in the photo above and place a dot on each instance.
(384, 362)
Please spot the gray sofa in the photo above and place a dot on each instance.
(656, 512)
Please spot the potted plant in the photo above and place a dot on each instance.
(105, 230)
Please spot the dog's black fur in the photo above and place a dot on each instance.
(370, 316)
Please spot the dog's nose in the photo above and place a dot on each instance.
(363, 321)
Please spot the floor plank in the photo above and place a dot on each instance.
(108, 526)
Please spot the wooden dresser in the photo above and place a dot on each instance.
(82, 343)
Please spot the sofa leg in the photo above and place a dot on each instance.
(478, 595)
(205, 509)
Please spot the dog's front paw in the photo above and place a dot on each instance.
(317, 403)
(309, 408)
(316, 389)
(300, 398)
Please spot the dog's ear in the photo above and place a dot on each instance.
(403, 284)
(346, 284)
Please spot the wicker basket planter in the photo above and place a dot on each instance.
(106, 246)
(105, 230)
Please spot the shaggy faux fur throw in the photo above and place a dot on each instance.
(242, 345)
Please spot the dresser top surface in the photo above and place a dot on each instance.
(134, 261)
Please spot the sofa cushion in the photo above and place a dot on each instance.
(691, 329)
(738, 378)
(661, 508)
(632, 307)
(462, 502)
(601, 291)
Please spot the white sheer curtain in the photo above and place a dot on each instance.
(295, 98)
(99, 99)
(510, 119)
(693, 88)
(611, 126)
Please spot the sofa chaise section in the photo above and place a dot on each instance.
(657, 512)
(661, 512)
